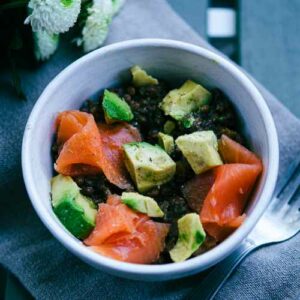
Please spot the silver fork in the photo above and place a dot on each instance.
(283, 210)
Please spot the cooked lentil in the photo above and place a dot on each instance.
(96, 187)
(219, 116)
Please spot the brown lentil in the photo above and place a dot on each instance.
(219, 115)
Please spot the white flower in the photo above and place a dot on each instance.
(96, 26)
(117, 5)
(45, 44)
(53, 16)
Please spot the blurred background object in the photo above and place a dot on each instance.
(222, 27)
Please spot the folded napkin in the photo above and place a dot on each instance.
(46, 268)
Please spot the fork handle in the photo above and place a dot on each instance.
(212, 283)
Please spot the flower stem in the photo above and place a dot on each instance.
(13, 4)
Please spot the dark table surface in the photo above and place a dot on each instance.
(267, 41)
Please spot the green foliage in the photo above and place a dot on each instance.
(23, 42)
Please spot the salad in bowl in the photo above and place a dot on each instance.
(152, 173)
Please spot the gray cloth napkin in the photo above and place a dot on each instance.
(46, 268)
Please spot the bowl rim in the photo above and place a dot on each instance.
(176, 269)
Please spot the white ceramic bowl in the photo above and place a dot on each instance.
(171, 60)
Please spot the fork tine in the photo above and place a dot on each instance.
(287, 188)
(287, 177)
(290, 211)
(291, 189)
(283, 209)
(295, 201)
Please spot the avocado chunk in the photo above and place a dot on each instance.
(148, 165)
(188, 98)
(115, 108)
(166, 142)
(143, 204)
(169, 126)
(75, 211)
(190, 237)
(63, 187)
(141, 78)
(200, 150)
(187, 121)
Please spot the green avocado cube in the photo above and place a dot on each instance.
(63, 187)
(200, 150)
(143, 204)
(141, 78)
(190, 237)
(115, 109)
(75, 211)
(188, 98)
(169, 127)
(188, 121)
(148, 165)
(166, 142)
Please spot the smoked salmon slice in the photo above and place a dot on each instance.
(233, 152)
(68, 123)
(112, 155)
(112, 219)
(87, 149)
(222, 210)
(113, 199)
(80, 152)
(142, 247)
(126, 235)
(196, 189)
